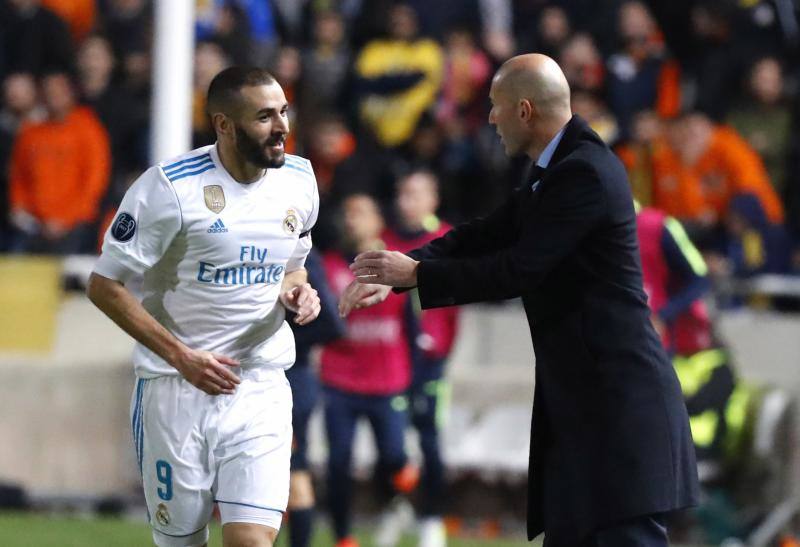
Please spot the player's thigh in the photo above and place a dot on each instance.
(253, 450)
(241, 534)
(388, 417)
(177, 475)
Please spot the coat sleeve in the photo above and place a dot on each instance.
(473, 238)
(568, 211)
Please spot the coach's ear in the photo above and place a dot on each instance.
(222, 124)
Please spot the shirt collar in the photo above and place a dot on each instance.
(550, 149)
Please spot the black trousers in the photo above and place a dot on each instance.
(645, 531)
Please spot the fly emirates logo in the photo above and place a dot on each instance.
(252, 271)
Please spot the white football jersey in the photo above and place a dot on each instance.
(209, 255)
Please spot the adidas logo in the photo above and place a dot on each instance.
(217, 228)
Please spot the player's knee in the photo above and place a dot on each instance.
(301, 490)
(248, 535)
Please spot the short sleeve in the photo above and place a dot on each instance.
(146, 223)
(304, 244)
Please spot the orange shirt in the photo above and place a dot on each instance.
(78, 14)
(729, 166)
(60, 170)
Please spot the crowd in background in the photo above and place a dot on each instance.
(698, 97)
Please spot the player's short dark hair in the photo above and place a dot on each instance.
(224, 92)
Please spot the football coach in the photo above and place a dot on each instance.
(611, 453)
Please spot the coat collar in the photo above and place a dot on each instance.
(572, 133)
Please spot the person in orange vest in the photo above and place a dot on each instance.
(703, 167)
(59, 171)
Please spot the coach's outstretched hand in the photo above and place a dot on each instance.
(385, 267)
(359, 295)
(208, 371)
(302, 300)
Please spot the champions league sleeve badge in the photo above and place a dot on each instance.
(215, 197)
(290, 223)
(124, 227)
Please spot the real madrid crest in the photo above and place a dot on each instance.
(162, 515)
(290, 223)
(215, 197)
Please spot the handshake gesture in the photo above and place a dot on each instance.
(376, 273)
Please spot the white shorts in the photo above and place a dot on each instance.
(196, 449)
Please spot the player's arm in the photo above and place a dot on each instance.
(203, 369)
(297, 294)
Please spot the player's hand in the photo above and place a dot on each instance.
(385, 267)
(302, 300)
(208, 371)
(359, 295)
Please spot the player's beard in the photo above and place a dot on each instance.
(258, 153)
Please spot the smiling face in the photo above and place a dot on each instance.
(261, 125)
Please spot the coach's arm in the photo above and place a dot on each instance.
(203, 369)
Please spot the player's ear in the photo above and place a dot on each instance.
(221, 124)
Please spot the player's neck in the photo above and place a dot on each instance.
(241, 170)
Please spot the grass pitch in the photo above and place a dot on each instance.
(33, 530)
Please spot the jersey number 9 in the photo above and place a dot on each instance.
(164, 475)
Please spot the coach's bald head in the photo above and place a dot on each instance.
(530, 103)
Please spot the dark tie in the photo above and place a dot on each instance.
(535, 175)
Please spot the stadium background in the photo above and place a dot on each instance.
(637, 71)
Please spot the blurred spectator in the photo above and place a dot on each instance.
(764, 119)
(34, 39)
(703, 167)
(592, 109)
(287, 69)
(59, 172)
(325, 65)
(123, 117)
(554, 30)
(232, 33)
(79, 15)
(716, 61)
(417, 224)
(127, 23)
(754, 244)
(329, 143)
(365, 374)
(19, 106)
(209, 60)
(302, 377)
(497, 26)
(641, 75)
(467, 72)
(398, 78)
(582, 64)
(675, 280)
(647, 140)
